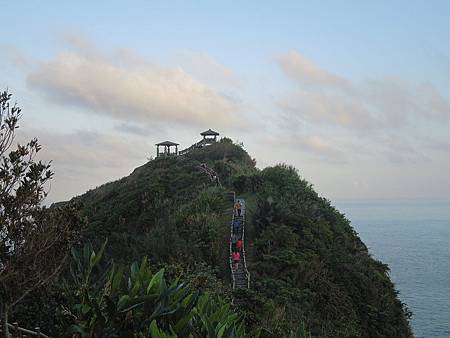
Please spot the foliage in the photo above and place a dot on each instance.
(311, 274)
(109, 301)
(311, 264)
(227, 159)
(34, 241)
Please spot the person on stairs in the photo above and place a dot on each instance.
(238, 207)
(236, 257)
(237, 228)
(239, 244)
(234, 246)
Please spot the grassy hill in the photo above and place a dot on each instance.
(307, 264)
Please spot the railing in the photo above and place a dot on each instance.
(199, 144)
(247, 273)
(18, 332)
(211, 173)
(233, 279)
(162, 154)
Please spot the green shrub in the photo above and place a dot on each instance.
(107, 300)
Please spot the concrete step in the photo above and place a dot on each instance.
(241, 285)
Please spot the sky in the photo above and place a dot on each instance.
(355, 94)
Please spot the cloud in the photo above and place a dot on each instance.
(340, 110)
(398, 102)
(123, 86)
(305, 72)
(206, 69)
(320, 147)
(315, 146)
(403, 153)
(83, 45)
(15, 56)
(84, 150)
(371, 104)
(132, 129)
(83, 160)
(441, 146)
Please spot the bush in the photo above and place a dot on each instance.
(107, 300)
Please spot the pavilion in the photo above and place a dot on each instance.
(167, 146)
(209, 136)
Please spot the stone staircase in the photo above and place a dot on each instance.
(240, 277)
(210, 172)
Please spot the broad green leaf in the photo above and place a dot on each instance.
(156, 280)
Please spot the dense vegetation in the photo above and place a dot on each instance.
(308, 266)
(34, 241)
(108, 301)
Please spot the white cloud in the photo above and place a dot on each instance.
(326, 98)
(83, 160)
(315, 147)
(340, 110)
(318, 146)
(304, 71)
(13, 55)
(132, 129)
(206, 69)
(125, 87)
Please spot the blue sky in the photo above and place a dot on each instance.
(353, 93)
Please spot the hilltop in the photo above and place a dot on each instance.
(307, 263)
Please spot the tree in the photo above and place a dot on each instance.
(34, 240)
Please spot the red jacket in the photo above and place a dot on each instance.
(239, 244)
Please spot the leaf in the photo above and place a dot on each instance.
(116, 278)
(92, 260)
(134, 270)
(136, 303)
(156, 280)
(208, 325)
(182, 323)
(76, 329)
(123, 301)
(154, 331)
(85, 308)
(221, 331)
(100, 253)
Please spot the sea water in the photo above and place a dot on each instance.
(413, 238)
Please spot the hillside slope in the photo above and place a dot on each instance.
(307, 263)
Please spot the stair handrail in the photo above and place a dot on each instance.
(247, 273)
(195, 145)
(231, 249)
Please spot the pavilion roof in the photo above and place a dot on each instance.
(167, 143)
(209, 132)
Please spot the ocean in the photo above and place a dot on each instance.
(413, 238)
